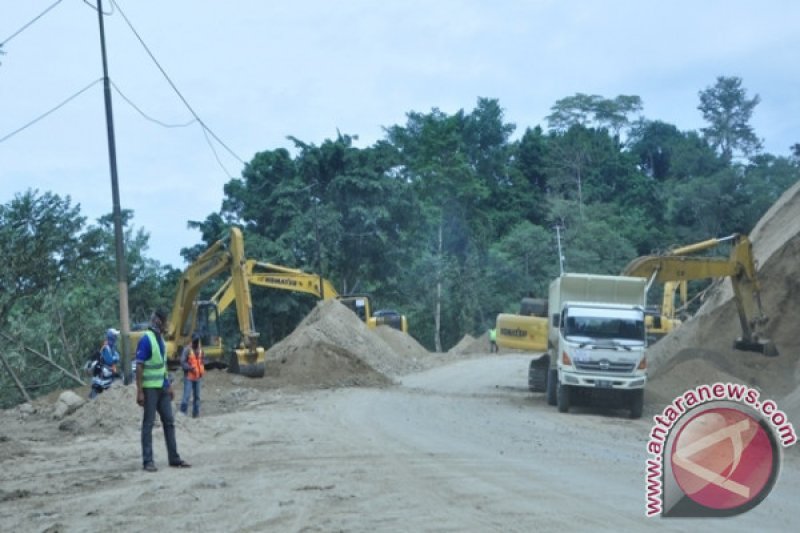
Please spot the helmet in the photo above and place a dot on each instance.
(195, 337)
(112, 334)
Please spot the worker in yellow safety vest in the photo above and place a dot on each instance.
(154, 392)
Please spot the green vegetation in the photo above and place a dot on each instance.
(448, 219)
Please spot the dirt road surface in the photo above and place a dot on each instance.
(459, 447)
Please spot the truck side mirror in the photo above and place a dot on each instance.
(556, 320)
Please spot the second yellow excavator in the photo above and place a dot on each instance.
(291, 279)
(677, 266)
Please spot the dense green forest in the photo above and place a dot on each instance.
(449, 218)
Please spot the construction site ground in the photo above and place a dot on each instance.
(364, 430)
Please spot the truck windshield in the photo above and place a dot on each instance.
(601, 324)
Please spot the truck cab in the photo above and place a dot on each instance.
(597, 340)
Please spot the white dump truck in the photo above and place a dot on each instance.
(596, 341)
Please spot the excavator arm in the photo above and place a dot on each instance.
(221, 256)
(279, 277)
(739, 267)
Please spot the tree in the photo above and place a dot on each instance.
(436, 163)
(594, 111)
(727, 109)
(796, 153)
(523, 261)
(58, 290)
(665, 152)
(39, 243)
(588, 165)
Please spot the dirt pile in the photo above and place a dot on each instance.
(333, 348)
(466, 343)
(472, 345)
(701, 350)
(404, 345)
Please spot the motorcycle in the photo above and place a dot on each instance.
(103, 377)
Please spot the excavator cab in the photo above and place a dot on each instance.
(207, 327)
(357, 304)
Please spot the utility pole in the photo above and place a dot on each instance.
(560, 253)
(122, 279)
(319, 249)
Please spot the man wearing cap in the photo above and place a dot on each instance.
(154, 392)
(108, 353)
(193, 364)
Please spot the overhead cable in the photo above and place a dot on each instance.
(59, 106)
(174, 88)
(26, 26)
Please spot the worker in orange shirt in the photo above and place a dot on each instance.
(193, 364)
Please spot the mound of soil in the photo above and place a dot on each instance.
(701, 350)
(463, 345)
(332, 347)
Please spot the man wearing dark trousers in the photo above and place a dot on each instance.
(154, 392)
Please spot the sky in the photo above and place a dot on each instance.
(257, 71)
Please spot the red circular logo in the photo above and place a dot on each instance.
(722, 458)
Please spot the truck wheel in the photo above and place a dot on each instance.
(563, 397)
(637, 403)
(537, 378)
(552, 384)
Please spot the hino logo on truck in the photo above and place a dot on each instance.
(513, 332)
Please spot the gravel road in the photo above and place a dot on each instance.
(461, 447)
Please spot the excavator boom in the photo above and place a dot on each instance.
(274, 276)
(739, 267)
(221, 256)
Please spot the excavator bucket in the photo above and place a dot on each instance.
(248, 363)
(763, 346)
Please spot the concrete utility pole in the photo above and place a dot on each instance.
(560, 253)
(122, 278)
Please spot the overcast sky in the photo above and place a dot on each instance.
(257, 71)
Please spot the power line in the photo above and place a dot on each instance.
(145, 115)
(174, 88)
(26, 26)
(216, 156)
(128, 100)
(59, 106)
(93, 7)
(206, 130)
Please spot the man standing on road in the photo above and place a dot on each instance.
(493, 340)
(154, 392)
(193, 364)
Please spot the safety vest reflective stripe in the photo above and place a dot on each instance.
(155, 368)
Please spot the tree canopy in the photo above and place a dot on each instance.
(450, 218)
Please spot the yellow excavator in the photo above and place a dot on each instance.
(526, 330)
(677, 266)
(189, 315)
(291, 279)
